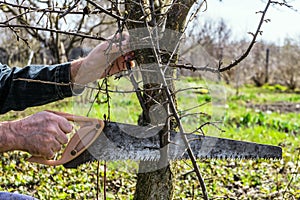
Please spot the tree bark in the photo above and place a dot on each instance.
(155, 179)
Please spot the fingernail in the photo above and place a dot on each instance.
(70, 127)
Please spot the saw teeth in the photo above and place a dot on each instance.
(107, 149)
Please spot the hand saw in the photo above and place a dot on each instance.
(104, 140)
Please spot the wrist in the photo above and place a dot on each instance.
(75, 66)
(10, 139)
(77, 87)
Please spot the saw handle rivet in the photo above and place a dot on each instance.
(98, 126)
(73, 152)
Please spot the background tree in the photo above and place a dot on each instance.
(289, 64)
(51, 28)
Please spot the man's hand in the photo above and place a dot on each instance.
(41, 134)
(105, 59)
(119, 65)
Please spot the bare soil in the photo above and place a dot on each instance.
(280, 107)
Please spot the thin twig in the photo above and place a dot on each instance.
(194, 107)
(98, 172)
(295, 175)
(195, 114)
(42, 82)
(246, 53)
(189, 88)
(70, 9)
(52, 31)
(48, 10)
(180, 125)
(104, 180)
(111, 14)
(92, 87)
(208, 123)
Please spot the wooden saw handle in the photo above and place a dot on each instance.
(89, 131)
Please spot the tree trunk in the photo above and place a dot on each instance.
(155, 179)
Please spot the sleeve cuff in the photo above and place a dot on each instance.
(77, 90)
(62, 75)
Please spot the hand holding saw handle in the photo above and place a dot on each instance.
(90, 129)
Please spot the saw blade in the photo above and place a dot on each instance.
(130, 142)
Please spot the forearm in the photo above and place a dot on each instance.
(8, 140)
(33, 86)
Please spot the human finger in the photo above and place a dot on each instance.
(50, 154)
(61, 137)
(55, 146)
(64, 124)
(124, 36)
(119, 48)
(120, 43)
(118, 65)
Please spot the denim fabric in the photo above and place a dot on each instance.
(14, 196)
(19, 94)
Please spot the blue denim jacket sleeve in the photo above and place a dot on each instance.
(19, 94)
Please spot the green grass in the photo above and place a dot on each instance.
(225, 179)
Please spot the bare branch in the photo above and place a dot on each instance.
(246, 53)
(111, 14)
(70, 9)
(52, 31)
(42, 82)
